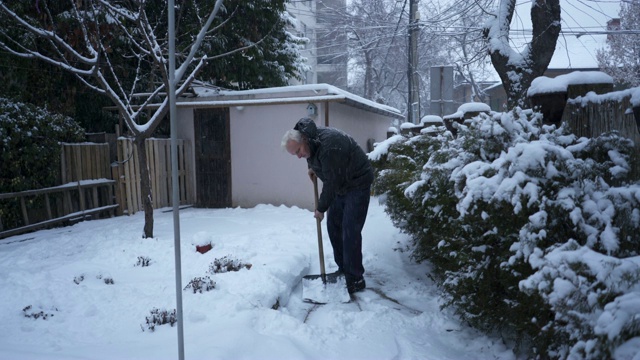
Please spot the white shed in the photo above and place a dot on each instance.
(236, 135)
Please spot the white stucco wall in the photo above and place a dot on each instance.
(361, 125)
(264, 173)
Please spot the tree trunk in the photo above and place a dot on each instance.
(518, 73)
(145, 187)
(368, 77)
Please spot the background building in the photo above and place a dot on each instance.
(304, 13)
(326, 52)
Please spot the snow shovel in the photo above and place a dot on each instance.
(323, 288)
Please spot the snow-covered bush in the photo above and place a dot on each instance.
(227, 264)
(503, 211)
(160, 317)
(30, 312)
(199, 284)
(143, 261)
(30, 151)
(29, 145)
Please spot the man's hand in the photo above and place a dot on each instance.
(312, 175)
(318, 215)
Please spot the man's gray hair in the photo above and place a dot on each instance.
(292, 134)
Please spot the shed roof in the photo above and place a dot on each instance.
(204, 96)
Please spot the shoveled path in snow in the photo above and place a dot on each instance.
(397, 317)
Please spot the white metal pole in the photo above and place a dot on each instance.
(174, 173)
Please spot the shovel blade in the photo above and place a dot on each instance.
(330, 289)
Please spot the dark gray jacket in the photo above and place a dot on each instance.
(337, 160)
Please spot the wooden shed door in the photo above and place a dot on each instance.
(213, 158)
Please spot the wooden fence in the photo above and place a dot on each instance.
(86, 192)
(604, 114)
(83, 161)
(93, 186)
(127, 174)
(65, 203)
(91, 161)
(592, 118)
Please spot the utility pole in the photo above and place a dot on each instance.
(413, 106)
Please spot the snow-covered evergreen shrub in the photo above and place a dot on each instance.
(30, 151)
(500, 212)
(397, 169)
(29, 145)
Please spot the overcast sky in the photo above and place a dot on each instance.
(578, 17)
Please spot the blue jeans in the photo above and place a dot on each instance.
(345, 220)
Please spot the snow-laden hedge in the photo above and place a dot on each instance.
(532, 232)
(30, 151)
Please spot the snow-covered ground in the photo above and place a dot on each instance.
(90, 283)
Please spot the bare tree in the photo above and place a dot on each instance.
(377, 38)
(376, 43)
(518, 69)
(621, 58)
(80, 37)
(460, 23)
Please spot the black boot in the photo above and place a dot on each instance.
(357, 285)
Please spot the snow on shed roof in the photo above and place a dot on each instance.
(543, 84)
(213, 97)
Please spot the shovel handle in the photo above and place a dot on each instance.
(319, 229)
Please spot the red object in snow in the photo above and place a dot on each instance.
(203, 248)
